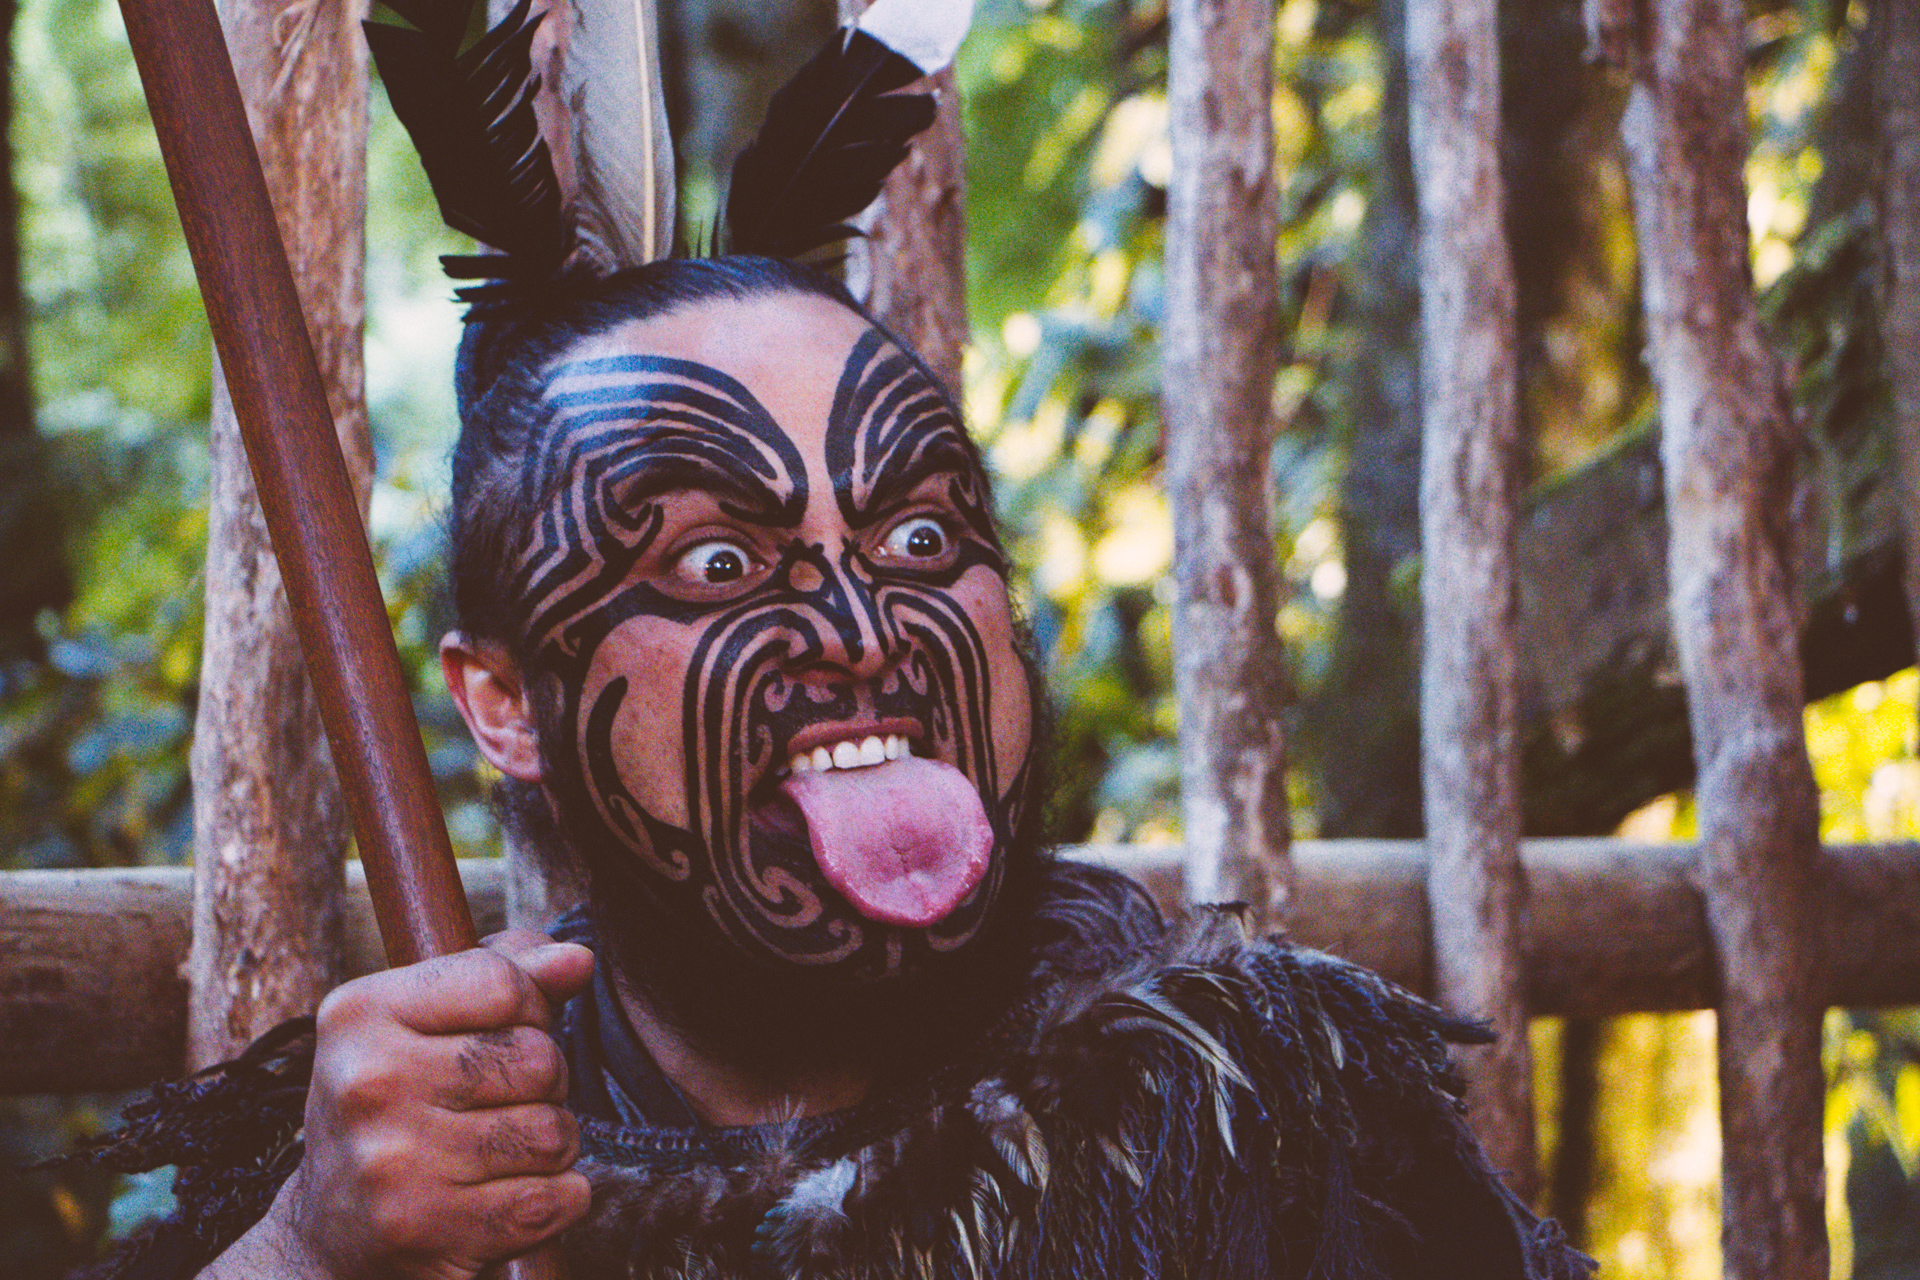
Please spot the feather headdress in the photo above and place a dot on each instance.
(542, 130)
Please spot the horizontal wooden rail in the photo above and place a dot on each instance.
(91, 996)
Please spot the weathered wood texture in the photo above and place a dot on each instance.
(1216, 391)
(1603, 722)
(1602, 715)
(911, 270)
(1613, 30)
(91, 997)
(271, 830)
(1728, 445)
(91, 991)
(1469, 763)
(1893, 38)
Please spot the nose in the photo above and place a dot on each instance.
(858, 641)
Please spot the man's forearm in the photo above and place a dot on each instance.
(269, 1250)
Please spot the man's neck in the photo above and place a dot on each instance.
(723, 1093)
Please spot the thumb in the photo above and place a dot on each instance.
(560, 969)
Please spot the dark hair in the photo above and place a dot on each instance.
(499, 382)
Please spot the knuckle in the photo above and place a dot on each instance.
(535, 1206)
(499, 991)
(391, 1221)
(367, 1084)
(511, 1064)
(483, 1059)
(533, 1138)
(382, 1162)
(546, 1067)
(554, 1134)
(344, 1006)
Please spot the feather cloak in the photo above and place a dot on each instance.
(1207, 1106)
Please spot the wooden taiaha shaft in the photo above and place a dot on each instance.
(280, 402)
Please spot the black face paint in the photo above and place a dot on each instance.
(623, 435)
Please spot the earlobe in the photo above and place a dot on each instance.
(485, 683)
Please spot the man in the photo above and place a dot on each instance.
(735, 627)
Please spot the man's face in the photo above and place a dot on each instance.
(763, 549)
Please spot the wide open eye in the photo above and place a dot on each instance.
(714, 563)
(918, 538)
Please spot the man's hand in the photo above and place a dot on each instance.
(435, 1140)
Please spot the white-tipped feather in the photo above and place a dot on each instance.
(623, 191)
(926, 33)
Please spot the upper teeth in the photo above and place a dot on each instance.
(852, 753)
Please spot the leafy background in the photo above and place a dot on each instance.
(1066, 110)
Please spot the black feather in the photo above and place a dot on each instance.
(833, 134)
(467, 103)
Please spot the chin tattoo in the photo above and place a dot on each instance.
(625, 431)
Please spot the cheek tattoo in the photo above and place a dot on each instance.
(624, 432)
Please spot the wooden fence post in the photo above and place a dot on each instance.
(1893, 41)
(1469, 755)
(270, 828)
(1216, 394)
(911, 270)
(1728, 453)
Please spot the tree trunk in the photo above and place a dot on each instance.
(917, 253)
(270, 828)
(911, 270)
(1365, 719)
(1469, 759)
(1728, 450)
(34, 576)
(1570, 1186)
(1217, 386)
(1893, 33)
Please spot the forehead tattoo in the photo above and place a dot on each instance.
(624, 432)
(621, 431)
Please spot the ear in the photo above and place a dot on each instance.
(485, 683)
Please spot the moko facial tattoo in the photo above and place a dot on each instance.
(769, 600)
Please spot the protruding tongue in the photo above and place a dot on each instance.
(903, 841)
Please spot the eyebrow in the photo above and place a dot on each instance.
(943, 455)
(913, 413)
(693, 428)
(740, 491)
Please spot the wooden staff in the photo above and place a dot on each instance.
(280, 402)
